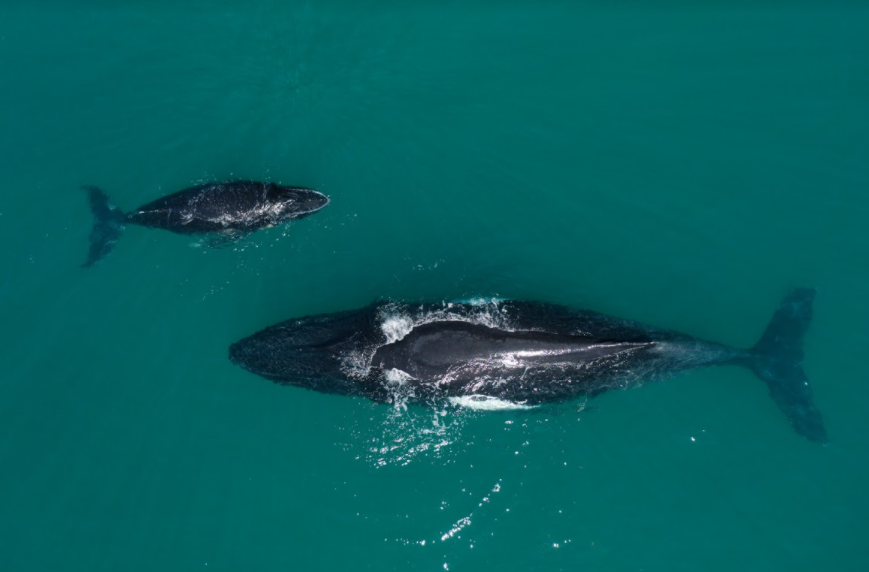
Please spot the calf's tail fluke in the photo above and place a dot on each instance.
(108, 224)
(777, 358)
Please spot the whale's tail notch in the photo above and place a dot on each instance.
(777, 359)
(108, 224)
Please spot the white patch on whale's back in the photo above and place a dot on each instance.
(487, 403)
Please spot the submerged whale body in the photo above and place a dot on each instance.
(526, 353)
(230, 210)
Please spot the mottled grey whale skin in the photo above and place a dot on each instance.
(233, 209)
(536, 353)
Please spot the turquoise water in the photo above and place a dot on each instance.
(680, 165)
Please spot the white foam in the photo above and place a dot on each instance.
(398, 320)
(457, 527)
(397, 376)
(481, 301)
(356, 364)
(396, 327)
(487, 403)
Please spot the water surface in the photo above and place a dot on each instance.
(680, 165)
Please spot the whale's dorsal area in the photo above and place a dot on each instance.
(432, 350)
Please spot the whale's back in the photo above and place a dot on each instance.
(461, 357)
(205, 208)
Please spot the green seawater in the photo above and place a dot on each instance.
(682, 164)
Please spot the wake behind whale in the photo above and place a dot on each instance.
(524, 353)
(227, 210)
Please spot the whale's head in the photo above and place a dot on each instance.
(291, 203)
(310, 352)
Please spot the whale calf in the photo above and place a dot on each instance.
(527, 353)
(229, 210)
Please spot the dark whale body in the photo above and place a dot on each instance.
(524, 352)
(233, 209)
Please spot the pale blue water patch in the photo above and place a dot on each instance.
(680, 165)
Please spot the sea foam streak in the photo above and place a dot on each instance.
(487, 403)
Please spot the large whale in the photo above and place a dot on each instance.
(228, 210)
(526, 353)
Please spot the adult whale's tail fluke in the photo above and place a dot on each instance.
(108, 224)
(777, 357)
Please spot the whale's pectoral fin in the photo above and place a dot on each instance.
(777, 357)
(108, 224)
(225, 239)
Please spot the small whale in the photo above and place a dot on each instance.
(228, 210)
(525, 353)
